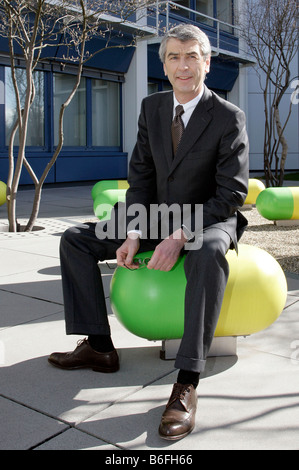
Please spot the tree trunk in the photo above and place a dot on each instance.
(284, 145)
(23, 126)
(39, 184)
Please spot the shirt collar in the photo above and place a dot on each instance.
(191, 104)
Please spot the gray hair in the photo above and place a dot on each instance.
(184, 33)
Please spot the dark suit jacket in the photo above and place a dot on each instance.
(209, 168)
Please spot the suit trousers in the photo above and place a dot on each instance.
(206, 271)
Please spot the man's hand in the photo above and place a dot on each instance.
(167, 252)
(127, 251)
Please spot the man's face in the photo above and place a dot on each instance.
(185, 68)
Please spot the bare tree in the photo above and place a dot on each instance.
(33, 28)
(270, 28)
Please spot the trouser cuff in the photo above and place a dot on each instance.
(190, 364)
(89, 329)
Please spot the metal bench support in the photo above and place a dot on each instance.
(221, 346)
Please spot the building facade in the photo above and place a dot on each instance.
(100, 124)
(256, 118)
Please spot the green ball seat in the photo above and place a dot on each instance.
(279, 203)
(150, 303)
(106, 200)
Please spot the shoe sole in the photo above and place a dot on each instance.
(95, 369)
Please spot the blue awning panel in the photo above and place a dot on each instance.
(223, 74)
(116, 58)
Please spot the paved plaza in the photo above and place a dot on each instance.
(245, 402)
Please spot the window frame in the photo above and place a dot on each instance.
(194, 16)
(49, 147)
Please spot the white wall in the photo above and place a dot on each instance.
(134, 90)
(239, 93)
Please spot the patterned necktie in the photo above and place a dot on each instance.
(177, 128)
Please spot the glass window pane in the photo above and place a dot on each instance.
(74, 123)
(105, 114)
(36, 123)
(181, 11)
(225, 13)
(152, 88)
(205, 7)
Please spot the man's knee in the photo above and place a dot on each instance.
(69, 236)
(217, 242)
(77, 236)
(213, 250)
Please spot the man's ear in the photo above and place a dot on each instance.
(208, 64)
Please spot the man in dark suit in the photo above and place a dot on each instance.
(191, 149)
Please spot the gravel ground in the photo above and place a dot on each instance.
(281, 242)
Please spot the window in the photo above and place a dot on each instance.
(220, 9)
(225, 13)
(36, 123)
(74, 124)
(182, 11)
(207, 8)
(105, 113)
(92, 119)
(152, 88)
(225, 10)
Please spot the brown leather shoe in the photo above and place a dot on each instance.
(178, 419)
(84, 357)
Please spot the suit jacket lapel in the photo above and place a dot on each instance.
(165, 115)
(199, 120)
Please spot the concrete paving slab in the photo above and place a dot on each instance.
(246, 406)
(73, 439)
(67, 210)
(71, 395)
(20, 262)
(82, 191)
(36, 245)
(248, 401)
(55, 200)
(26, 273)
(18, 309)
(22, 428)
(281, 337)
(42, 284)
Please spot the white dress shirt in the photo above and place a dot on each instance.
(188, 107)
